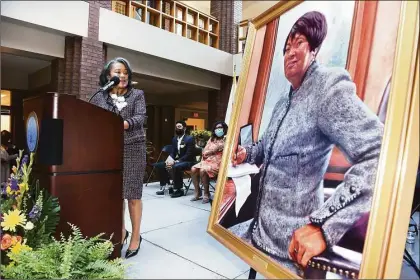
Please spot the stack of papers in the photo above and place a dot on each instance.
(242, 170)
(170, 160)
(240, 176)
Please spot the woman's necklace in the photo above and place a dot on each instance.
(119, 101)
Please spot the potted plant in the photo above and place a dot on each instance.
(201, 137)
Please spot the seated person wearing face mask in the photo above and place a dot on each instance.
(210, 163)
(180, 159)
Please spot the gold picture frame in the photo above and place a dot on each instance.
(389, 216)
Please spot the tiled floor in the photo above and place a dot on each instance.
(175, 242)
(176, 245)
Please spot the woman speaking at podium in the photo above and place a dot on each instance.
(117, 95)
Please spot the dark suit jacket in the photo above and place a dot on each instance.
(186, 152)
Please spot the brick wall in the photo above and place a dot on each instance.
(218, 101)
(229, 14)
(78, 73)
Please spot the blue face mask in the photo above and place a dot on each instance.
(219, 132)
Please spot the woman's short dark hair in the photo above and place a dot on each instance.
(103, 78)
(313, 25)
(225, 128)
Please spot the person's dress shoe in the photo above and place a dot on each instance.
(162, 191)
(131, 253)
(177, 193)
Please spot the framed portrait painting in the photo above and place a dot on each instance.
(320, 162)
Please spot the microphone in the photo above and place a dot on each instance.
(114, 81)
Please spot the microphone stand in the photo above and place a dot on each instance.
(114, 108)
(114, 81)
(100, 90)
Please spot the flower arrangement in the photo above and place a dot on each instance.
(29, 216)
(201, 136)
(201, 133)
(74, 257)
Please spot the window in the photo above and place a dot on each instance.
(167, 24)
(179, 29)
(202, 37)
(5, 122)
(5, 110)
(139, 14)
(119, 7)
(167, 8)
(180, 14)
(201, 23)
(190, 18)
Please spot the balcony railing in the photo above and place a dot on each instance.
(174, 17)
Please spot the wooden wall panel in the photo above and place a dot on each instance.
(264, 71)
(361, 43)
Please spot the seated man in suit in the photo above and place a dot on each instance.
(180, 159)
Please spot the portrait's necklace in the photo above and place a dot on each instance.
(119, 101)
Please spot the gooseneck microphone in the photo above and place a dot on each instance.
(112, 82)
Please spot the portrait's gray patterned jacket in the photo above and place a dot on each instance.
(295, 152)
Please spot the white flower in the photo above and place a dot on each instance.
(119, 101)
(29, 226)
(120, 105)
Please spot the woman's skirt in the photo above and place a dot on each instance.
(211, 168)
(133, 170)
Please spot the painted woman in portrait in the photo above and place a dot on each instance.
(292, 222)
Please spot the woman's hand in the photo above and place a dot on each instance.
(307, 242)
(239, 157)
(126, 125)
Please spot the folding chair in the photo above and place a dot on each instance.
(212, 189)
(198, 155)
(166, 149)
(212, 184)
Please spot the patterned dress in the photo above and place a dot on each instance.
(212, 157)
(134, 139)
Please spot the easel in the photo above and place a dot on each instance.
(252, 273)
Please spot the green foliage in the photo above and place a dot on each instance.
(204, 134)
(47, 222)
(6, 205)
(29, 250)
(40, 209)
(73, 258)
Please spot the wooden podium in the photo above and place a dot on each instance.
(79, 159)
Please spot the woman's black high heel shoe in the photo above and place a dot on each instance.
(126, 237)
(131, 253)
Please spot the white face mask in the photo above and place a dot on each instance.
(219, 132)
